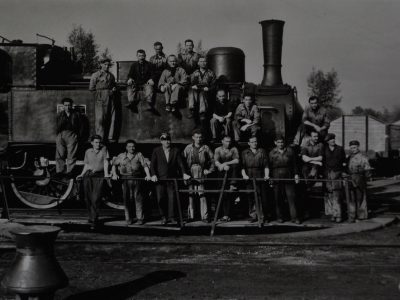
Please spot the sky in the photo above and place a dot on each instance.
(358, 38)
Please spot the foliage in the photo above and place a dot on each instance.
(326, 87)
(85, 47)
(385, 115)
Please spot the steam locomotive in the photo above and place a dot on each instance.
(35, 77)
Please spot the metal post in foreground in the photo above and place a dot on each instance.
(35, 273)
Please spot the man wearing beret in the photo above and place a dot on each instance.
(103, 86)
(359, 171)
(166, 162)
(334, 162)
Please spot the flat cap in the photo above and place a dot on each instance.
(105, 60)
(165, 136)
(330, 136)
(354, 143)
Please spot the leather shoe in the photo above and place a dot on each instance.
(164, 221)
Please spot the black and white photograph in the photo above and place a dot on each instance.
(199, 149)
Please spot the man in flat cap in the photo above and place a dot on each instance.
(103, 86)
(334, 161)
(359, 171)
(166, 162)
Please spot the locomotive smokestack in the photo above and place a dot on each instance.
(272, 32)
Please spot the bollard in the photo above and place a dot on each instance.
(35, 274)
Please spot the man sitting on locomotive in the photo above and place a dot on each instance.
(102, 84)
(131, 163)
(93, 174)
(222, 116)
(172, 83)
(247, 118)
(202, 82)
(188, 59)
(315, 118)
(140, 82)
(200, 160)
(68, 128)
(158, 60)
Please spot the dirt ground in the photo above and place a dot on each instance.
(356, 266)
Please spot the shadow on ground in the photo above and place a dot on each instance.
(128, 289)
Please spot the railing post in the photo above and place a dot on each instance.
(6, 210)
(221, 196)
(258, 205)
(178, 201)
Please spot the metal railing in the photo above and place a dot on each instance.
(221, 191)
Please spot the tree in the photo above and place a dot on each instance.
(385, 115)
(85, 46)
(326, 87)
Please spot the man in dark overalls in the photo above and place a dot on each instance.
(255, 165)
(282, 165)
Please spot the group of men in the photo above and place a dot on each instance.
(172, 75)
(176, 77)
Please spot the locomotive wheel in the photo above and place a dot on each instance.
(45, 193)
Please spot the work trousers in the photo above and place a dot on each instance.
(333, 196)
(357, 204)
(198, 100)
(93, 183)
(284, 190)
(252, 130)
(105, 114)
(228, 197)
(261, 188)
(217, 128)
(132, 195)
(165, 191)
(196, 172)
(66, 148)
(172, 96)
(145, 92)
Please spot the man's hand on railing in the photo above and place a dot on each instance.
(245, 177)
(186, 176)
(296, 179)
(226, 168)
(148, 178)
(154, 178)
(114, 177)
(206, 172)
